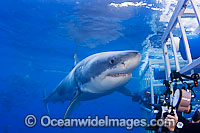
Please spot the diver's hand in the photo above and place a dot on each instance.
(172, 121)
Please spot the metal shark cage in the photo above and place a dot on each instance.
(148, 74)
(179, 13)
(171, 67)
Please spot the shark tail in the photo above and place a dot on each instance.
(46, 102)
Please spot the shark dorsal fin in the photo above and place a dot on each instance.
(76, 60)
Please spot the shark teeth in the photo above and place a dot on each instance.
(119, 74)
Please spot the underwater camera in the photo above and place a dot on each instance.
(182, 97)
(181, 100)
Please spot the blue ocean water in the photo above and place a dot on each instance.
(38, 39)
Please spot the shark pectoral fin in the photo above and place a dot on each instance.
(46, 102)
(73, 104)
(125, 91)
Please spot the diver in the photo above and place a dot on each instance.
(183, 125)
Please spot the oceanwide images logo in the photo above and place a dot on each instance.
(128, 123)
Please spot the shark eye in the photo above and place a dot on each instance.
(112, 61)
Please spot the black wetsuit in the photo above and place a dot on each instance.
(188, 127)
(191, 128)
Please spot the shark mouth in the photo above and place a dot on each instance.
(120, 75)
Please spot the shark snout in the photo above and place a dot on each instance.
(137, 57)
(131, 60)
(133, 53)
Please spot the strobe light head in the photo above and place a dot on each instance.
(182, 100)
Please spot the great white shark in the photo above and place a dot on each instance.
(96, 76)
